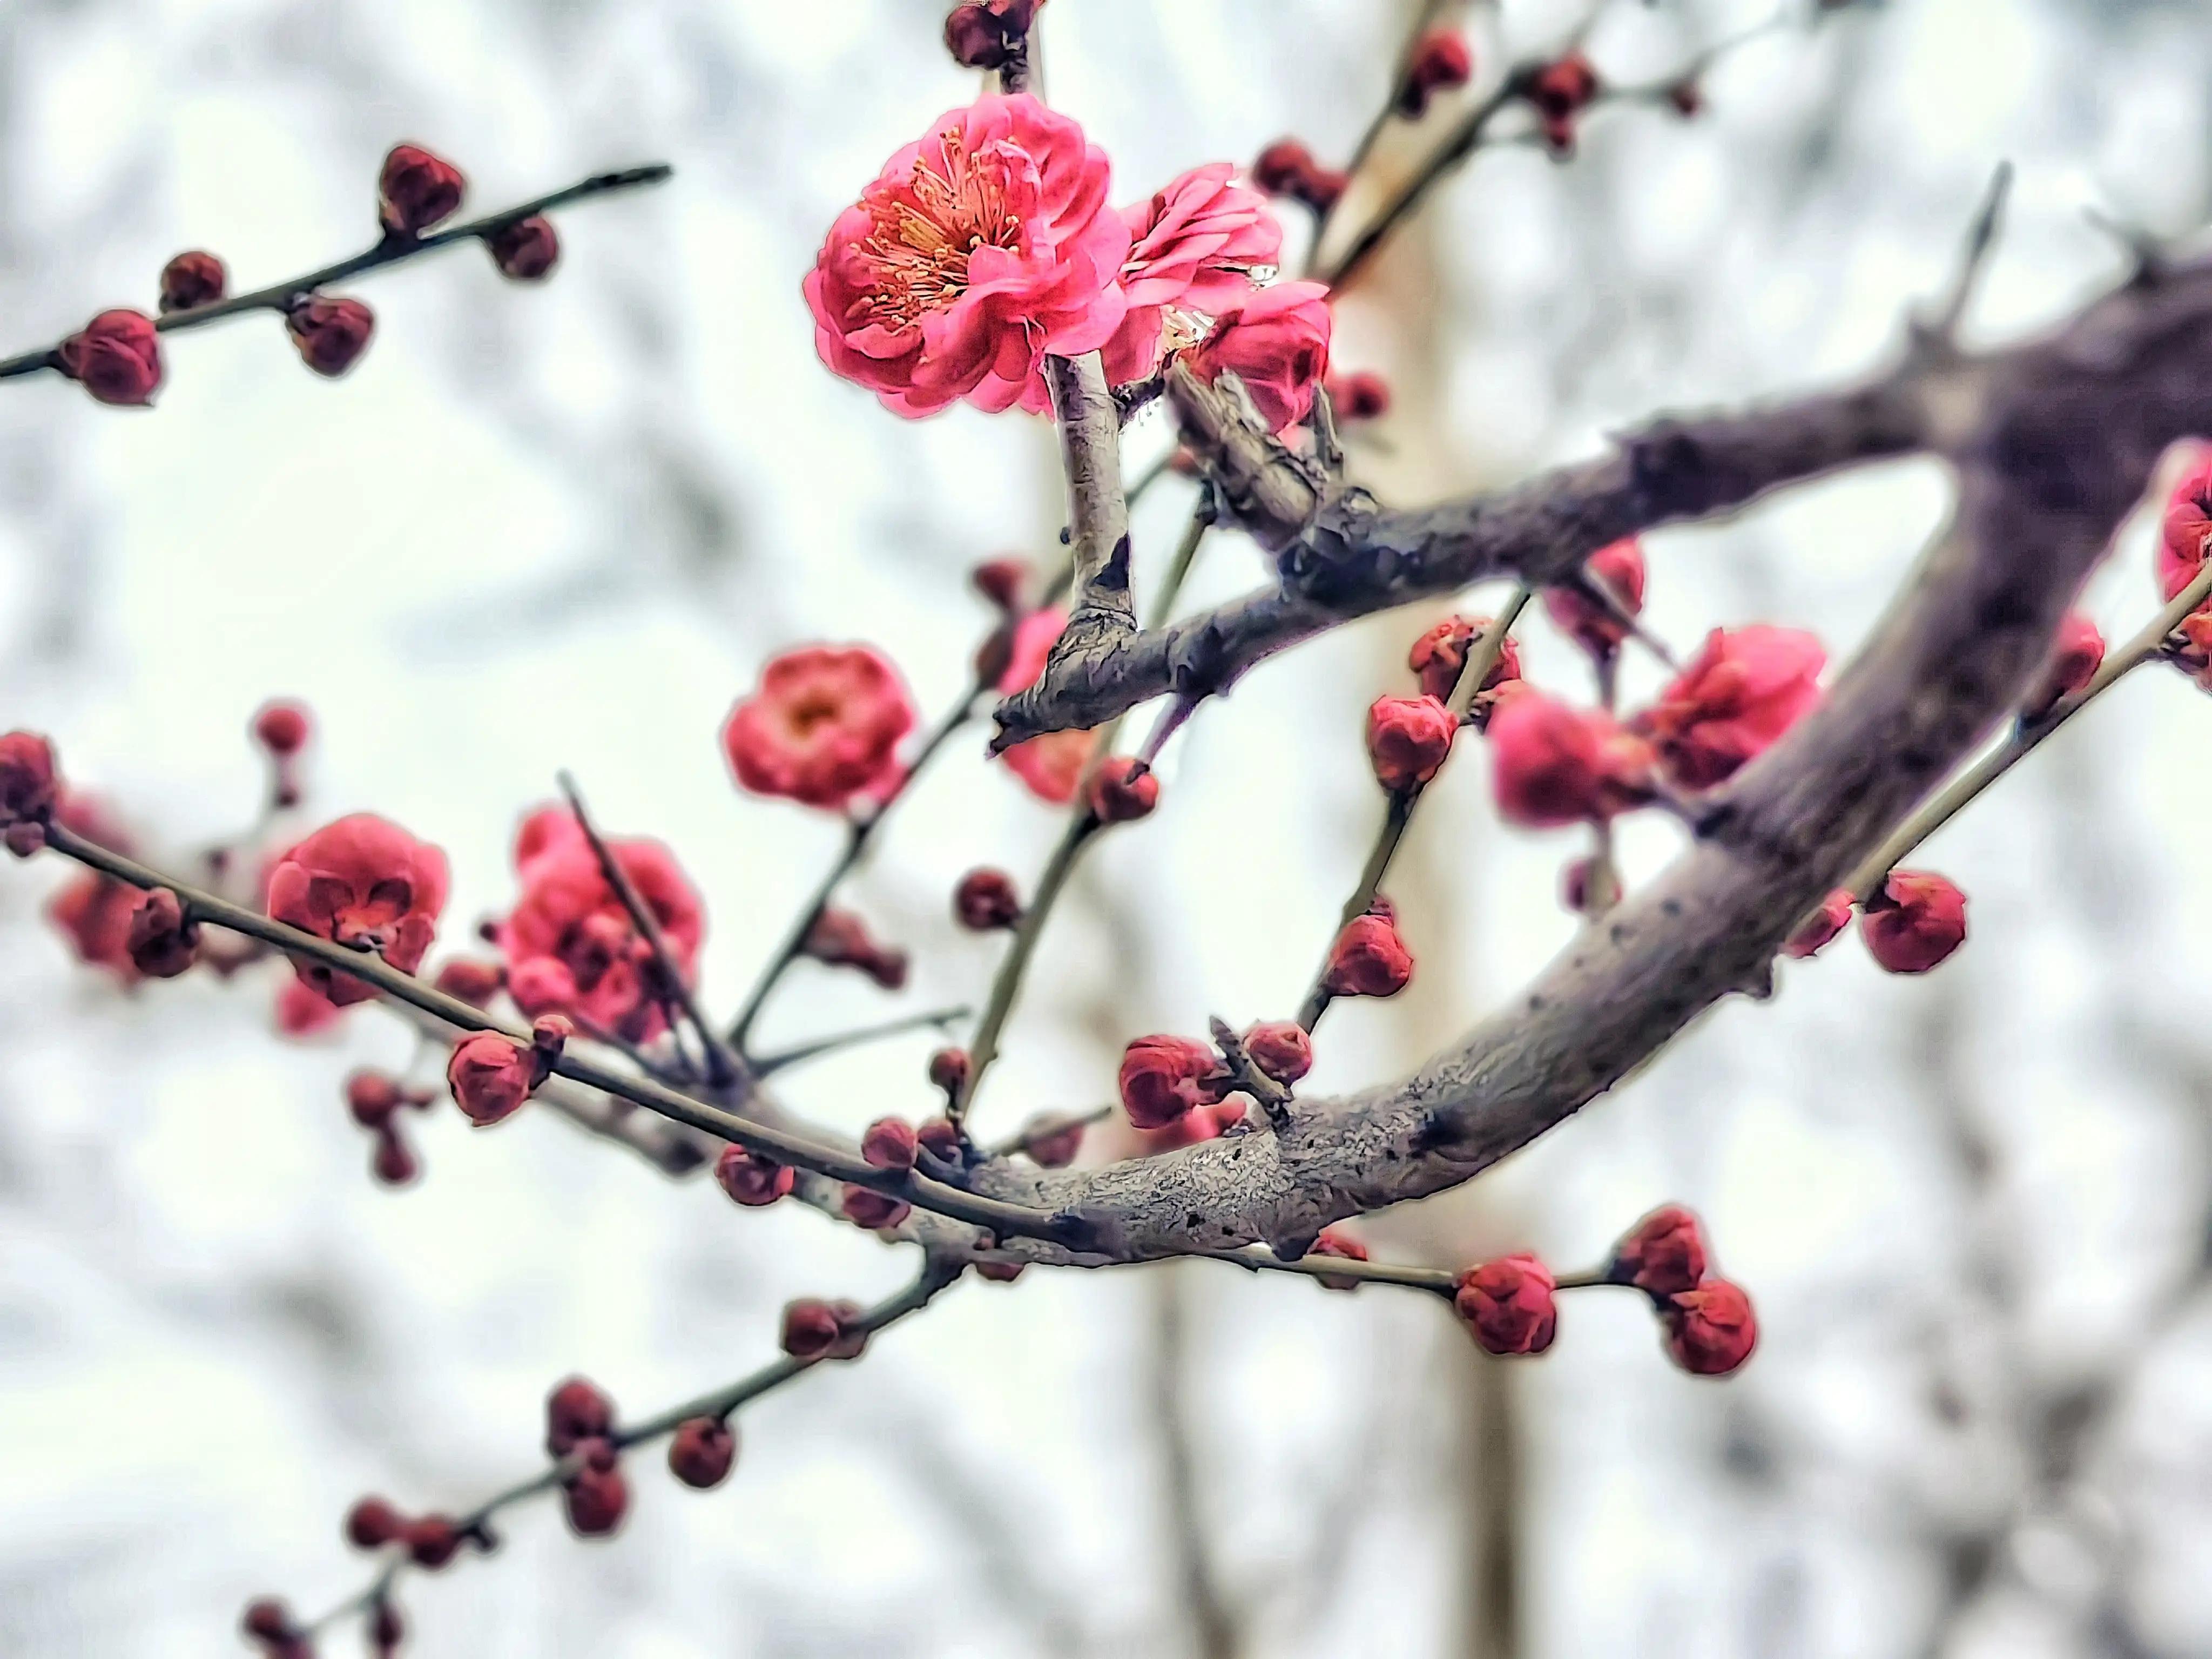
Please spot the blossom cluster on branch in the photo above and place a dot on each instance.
(985, 265)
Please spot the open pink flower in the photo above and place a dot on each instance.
(1554, 764)
(362, 881)
(977, 250)
(570, 944)
(1199, 246)
(1745, 689)
(1276, 342)
(823, 727)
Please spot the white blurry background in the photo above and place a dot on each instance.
(564, 527)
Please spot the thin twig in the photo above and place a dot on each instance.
(720, 1404)
(783, 1146)
(1481, 657)
(1082, 825)
(723, 1066)
(1981, 237)
(799, 1053)
(1259, 1259)
(1006, 984)
(1472, 132)
(2147, 645)
(1379, 123)
(859, 833)
(281, 296)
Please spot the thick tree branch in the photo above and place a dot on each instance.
(2052, 442)
(1350, 556)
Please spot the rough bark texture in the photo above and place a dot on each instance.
(1352, 556)
(2051, 443)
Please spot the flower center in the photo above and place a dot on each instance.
(926, 230)
(811, 713)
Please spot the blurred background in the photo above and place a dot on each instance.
(563, 526)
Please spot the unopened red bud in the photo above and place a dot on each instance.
(490, 1077)
(1442, 60)
(525, 251)
(191, 279)
(1116, 797)
(841, 939)
(1561, 89)
(329, 334)
(701, 1451)
(372, 1097)
(432, 1540)
(986, 900)
(372, 1523)
(386, 1630)
(470, 981)
(1710, 1330)
(29, 790)
(1914, 922)
(949, 1070)
(1508, 1304)
(117, 357)
(282, 727)
(752, 1180)
(1281, 1049)
(1002, 581)
(1619, 569)
(1408, 740)
(1661, 1254)
(548, 1035)
(890, 1144)
(999, 1272)
(938, 1138)
(1362, 395)
(1823, 925)
(977, 38)
(268, 1620)
(2076, 656)
(1053, 1148)
(1439, 658)
(576, 1411)
(1368, 959)
(1162, 1077)
(1281, 166)
(1552, 764)
(811, 1328)
(1686, 96)
(163, 942)
(393, 1163)
(416, 190)
(864, 1206)
(595, 1502)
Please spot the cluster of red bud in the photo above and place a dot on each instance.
(1557, 93)
(374, 1099)
(1510, 1304)
(117, 356)
(1190, 1087)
